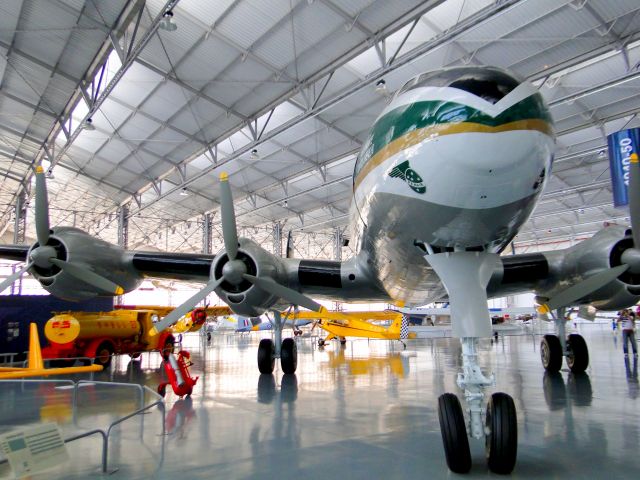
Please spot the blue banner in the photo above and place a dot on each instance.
(621, 145)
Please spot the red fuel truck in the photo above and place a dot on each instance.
(100, 335)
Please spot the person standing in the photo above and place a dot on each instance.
(627, 321)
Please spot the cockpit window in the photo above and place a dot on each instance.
(491, 84)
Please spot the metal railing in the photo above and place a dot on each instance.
(10, 356)
(105, 434)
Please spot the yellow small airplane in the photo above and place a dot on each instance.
(359, 324)
(191, 322)
(35, 365)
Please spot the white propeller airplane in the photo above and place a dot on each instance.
(450, 171)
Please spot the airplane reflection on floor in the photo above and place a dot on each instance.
(367, 407)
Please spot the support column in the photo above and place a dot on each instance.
(123, 226)
(337, 255)
(20, 225)
(207, 229)
(337, 245)
(123, 236)
(277, 239)
(19, 235)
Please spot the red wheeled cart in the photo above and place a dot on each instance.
(177, 370)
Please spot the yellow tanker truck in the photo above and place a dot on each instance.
(99, 335)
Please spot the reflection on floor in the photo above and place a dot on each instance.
(366, 410)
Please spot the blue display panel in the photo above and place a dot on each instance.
(621, 145)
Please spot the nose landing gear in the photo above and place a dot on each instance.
(465, 276)
(499, 428)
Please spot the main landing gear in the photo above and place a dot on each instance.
(285, 350)
(465, 276)
(572, 347)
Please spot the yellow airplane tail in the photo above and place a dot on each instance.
(35, 354)
(400, 326)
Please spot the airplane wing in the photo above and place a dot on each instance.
(251, 280)
(17, 253)
(510, 311)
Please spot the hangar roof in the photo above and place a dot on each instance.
(280, 94)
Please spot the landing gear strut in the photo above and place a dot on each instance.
(465, 276)
(554, 347)
(285, 350)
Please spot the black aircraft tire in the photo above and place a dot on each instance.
(551, 353)
(501, 443)
(104, 352)
(454, 433)
(266, 360)
(578, 360)
(289, 356)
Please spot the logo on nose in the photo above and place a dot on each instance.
(404, 172)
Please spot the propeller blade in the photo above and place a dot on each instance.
(88, 276)
(634, 198)
(186, 307)
(290, 295)
(229, 230)
(42, 207)
(574, 293)
(13, 277)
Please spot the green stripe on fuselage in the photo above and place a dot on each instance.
(414, 116)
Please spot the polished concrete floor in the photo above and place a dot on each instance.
(365, 411)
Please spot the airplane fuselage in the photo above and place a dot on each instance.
(455, 162)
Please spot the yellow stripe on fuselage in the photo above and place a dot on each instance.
(416, 136)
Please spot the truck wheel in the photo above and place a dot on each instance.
(167, 348)
(103, 354)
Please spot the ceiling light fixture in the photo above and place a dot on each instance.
(381, 87)
(254, 154)
(88, 124)
(167, 22)
(184, 192)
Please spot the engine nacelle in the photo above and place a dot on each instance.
(602, 251)
(245, 298)
(74, 245)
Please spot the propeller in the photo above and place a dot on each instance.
(229, 230)
(12, 278)
(42, 208)
(88, 276)
(630, 258)
(288, 294)
(235, 270)
(574, 293)
(186, 307)
(45, 255)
